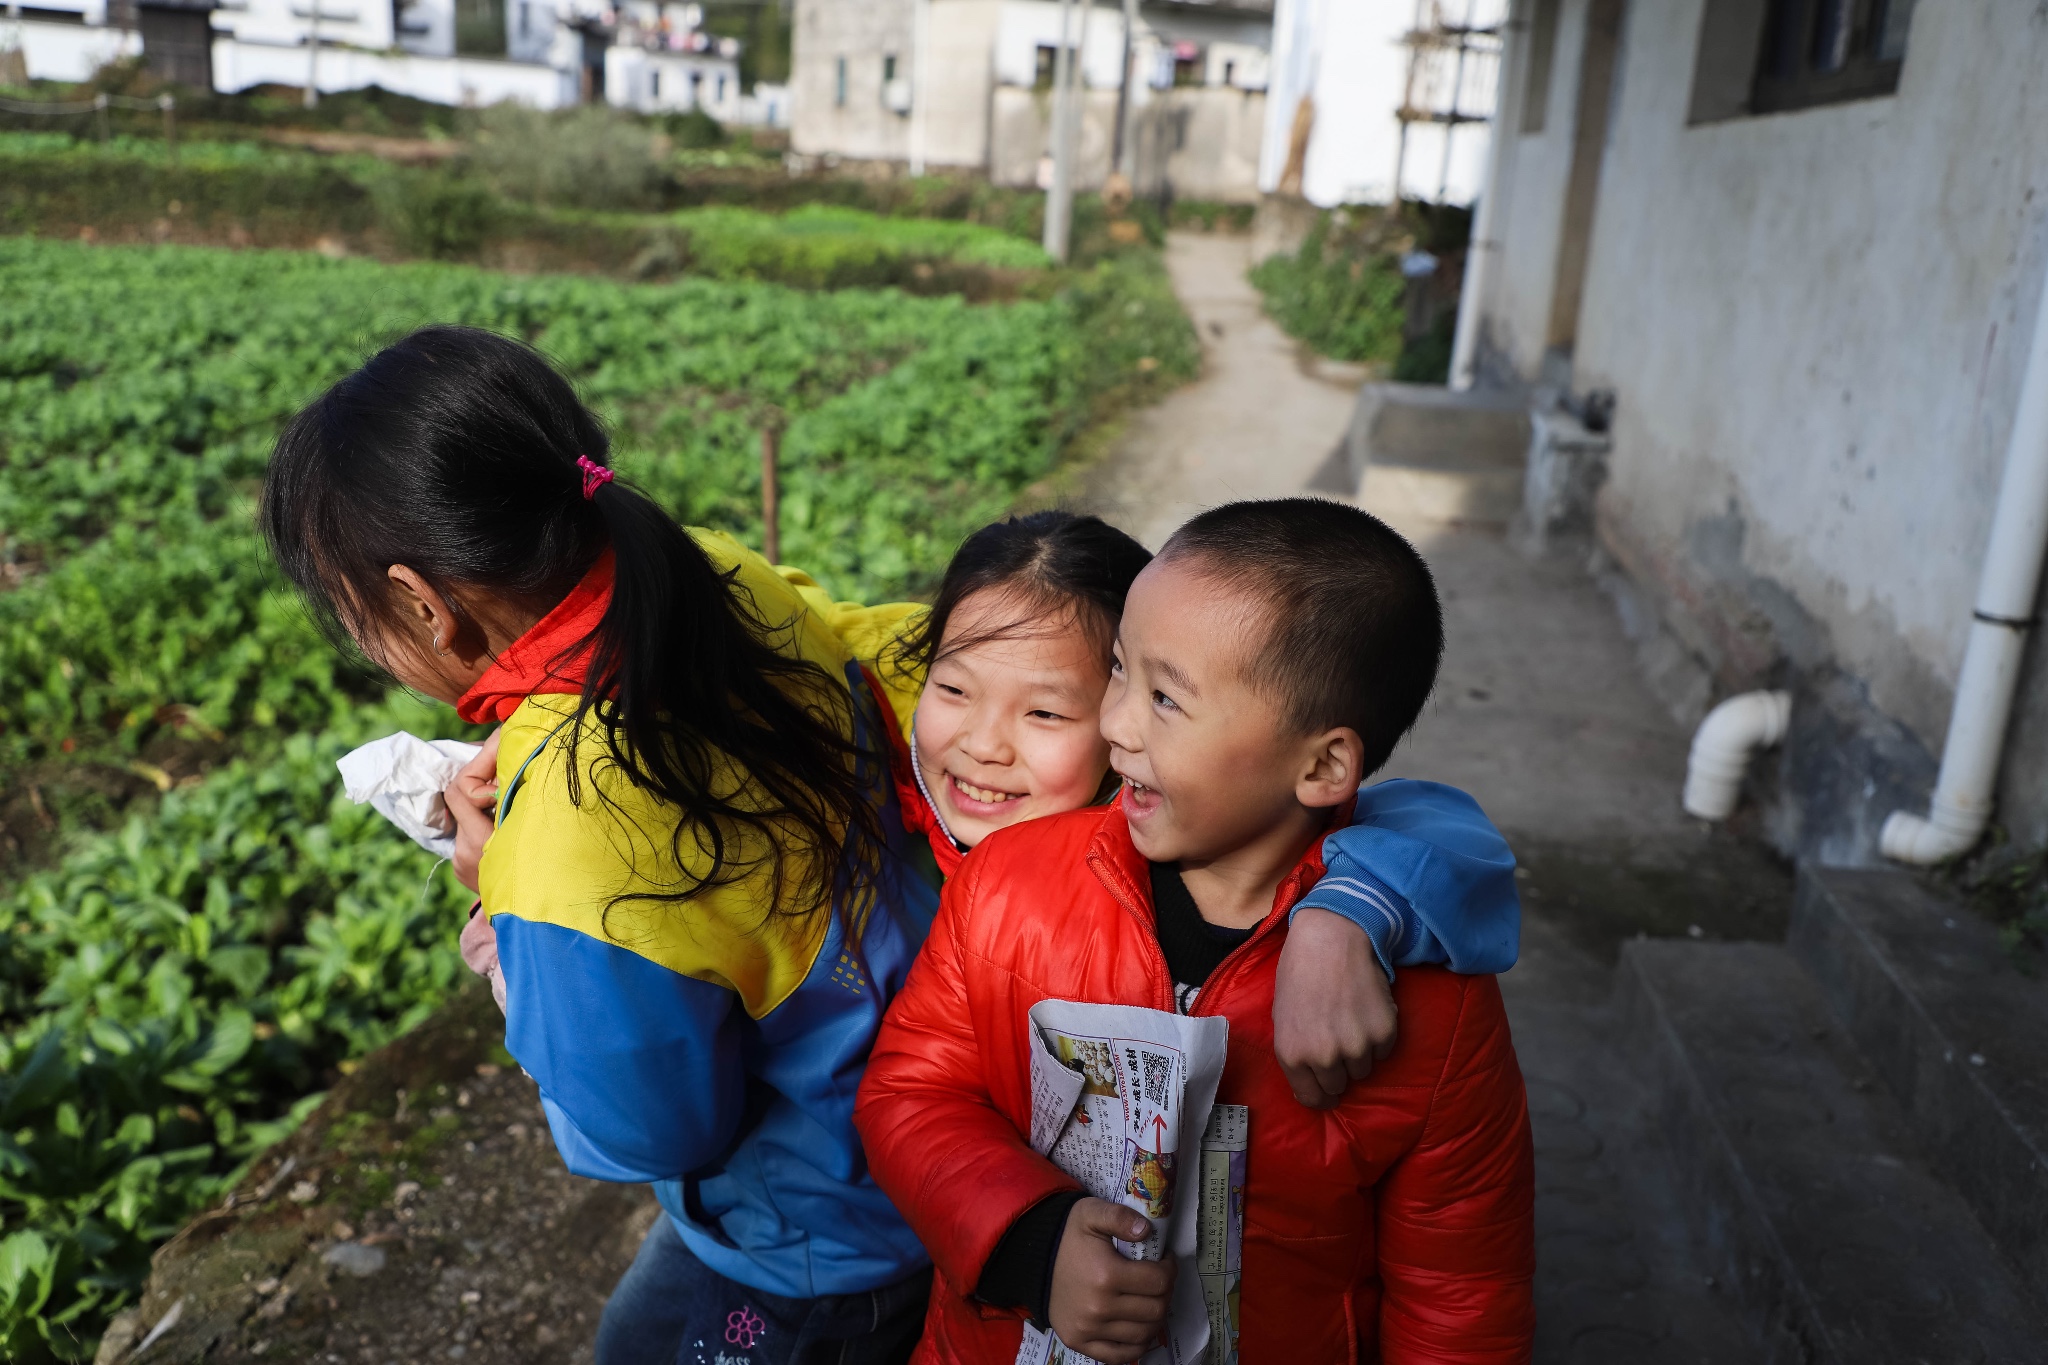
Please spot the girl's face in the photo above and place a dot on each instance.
(1007, 729)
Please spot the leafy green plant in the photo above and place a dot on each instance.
(1346, 304)
(173, 997)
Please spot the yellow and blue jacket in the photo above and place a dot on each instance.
(704, 1046)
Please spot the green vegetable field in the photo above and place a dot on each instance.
(182, 976)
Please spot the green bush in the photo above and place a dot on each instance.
(591, 157)
(442, 217)
(1347, 304)
(695, 131)
(821, 246)
(1345, 295)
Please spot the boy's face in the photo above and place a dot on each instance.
(1210, 764)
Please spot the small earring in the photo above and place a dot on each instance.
(441, 647)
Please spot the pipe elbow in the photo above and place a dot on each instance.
(1722, 746)
(1946, 831)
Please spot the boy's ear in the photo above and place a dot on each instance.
(1335, 768)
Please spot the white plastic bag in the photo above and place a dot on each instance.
(401, 776)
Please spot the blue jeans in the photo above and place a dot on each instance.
(671, 1309)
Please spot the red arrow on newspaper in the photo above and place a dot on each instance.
(1159, 1140)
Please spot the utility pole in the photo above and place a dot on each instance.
(920, 61)
(1059, 203)
(1123, 156)
(313, 56)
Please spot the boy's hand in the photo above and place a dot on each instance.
(1333, 1012)
(472, 797)
(1103, 1305)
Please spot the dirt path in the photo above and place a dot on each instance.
(1255, 425)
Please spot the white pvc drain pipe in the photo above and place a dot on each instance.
(1721, 747)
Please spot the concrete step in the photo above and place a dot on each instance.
(1421, 451)
(1800, 1175)
(1956, 1032)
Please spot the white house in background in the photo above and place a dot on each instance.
(544, 53)
(982, 99)
(661, 61)
(1397, 87)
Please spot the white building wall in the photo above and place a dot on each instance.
(467, 81)
(956, 85)
(674, 82)
(1530, 228)
(861, 34)
(1815, 324)
(1817, 321)
(72, 52)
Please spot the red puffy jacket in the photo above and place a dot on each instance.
(1398, 1226)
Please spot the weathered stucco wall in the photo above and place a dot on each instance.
(1815, 323)
(860, 32)
(1199, 143)
(1532, 200)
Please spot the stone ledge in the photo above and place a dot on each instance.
(1955, 1032)
(1799, 1174)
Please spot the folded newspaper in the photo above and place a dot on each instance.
(1118, 1093)
(401, 776)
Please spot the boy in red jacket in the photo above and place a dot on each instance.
(1267, 663)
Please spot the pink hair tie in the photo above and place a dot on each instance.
(595, 476)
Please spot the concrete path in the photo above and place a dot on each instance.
(1255, 425)
(1541, 713)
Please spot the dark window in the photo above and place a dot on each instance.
(177, 44)
(1542, 56)
(888, 68)
(1826, 51)
(838, 84)
(1048, 65)
(1768, 56)
(480, 28)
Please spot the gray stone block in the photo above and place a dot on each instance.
(1799, 1172)
(1956, 1033)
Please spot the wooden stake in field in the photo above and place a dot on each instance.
(771, 527)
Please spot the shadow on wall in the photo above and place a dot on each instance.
(1705, 626)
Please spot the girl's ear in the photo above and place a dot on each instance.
(1336, 768)
(433, 618)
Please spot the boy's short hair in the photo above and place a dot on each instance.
(1354, 630)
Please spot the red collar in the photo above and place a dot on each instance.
(552, 657)
(1129, 876)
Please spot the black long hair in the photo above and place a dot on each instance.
(454, 452)
(1058, 566)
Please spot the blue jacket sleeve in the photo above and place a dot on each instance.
(639, 1067)
(1428, 878)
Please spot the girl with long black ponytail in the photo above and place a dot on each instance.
(697, 879)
